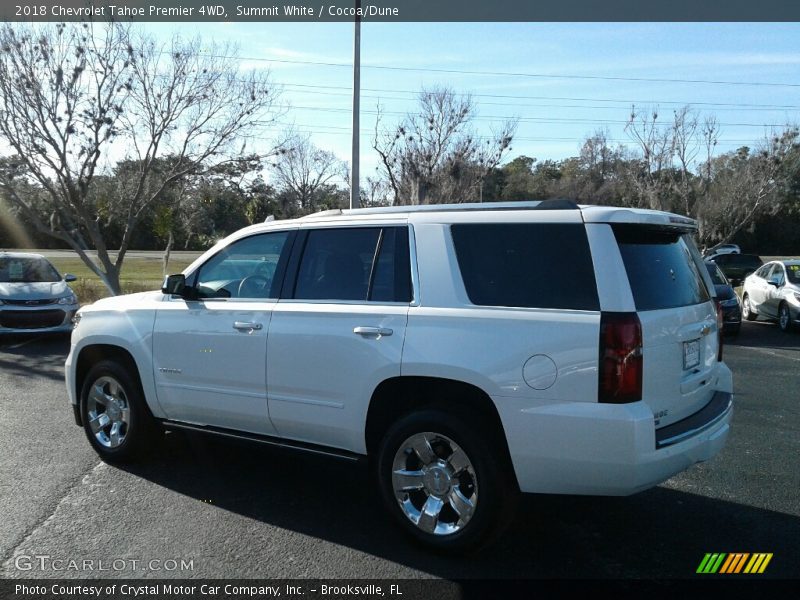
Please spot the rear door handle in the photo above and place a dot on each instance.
(375, 332)
(245, 326)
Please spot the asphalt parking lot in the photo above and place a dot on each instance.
(238, 511)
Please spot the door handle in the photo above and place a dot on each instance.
(245, 326)
(376, 332)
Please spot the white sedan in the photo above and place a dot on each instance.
(773, 292)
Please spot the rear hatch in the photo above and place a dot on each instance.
(680, 340)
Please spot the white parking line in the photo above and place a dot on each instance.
(20, 345)
(772, 353)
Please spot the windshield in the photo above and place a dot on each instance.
(716, 274)
(26, 270)
(793, 273)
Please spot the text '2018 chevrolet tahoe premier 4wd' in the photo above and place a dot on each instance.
(470, 351)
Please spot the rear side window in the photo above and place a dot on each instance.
(660, 268)
(363, 264)
(532, 265)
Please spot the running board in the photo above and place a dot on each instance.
(264, 439)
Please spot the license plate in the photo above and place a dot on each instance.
(691, 354)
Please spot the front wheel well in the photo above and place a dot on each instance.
(399, 396)
(91, 355)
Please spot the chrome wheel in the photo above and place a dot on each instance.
(108, 411)
(747, 312)
(434, 483)
(783, 317)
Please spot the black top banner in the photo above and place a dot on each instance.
(403, 10)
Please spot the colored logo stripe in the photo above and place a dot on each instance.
(758, 563)
(735, 562)
(711, 563)
(721, 562)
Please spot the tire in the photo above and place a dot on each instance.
(747, 311)
(116, 419)
(784, 317)
(458, 475)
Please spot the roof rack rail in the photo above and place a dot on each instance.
(553, 204)
(324, 213)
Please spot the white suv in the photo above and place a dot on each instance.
(470, 351)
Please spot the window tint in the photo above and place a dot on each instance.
(336, 264)
(534, 265)
(245, 269)
(391, 278)
(660, 268)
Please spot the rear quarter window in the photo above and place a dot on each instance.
(660, 267)
(530, 265)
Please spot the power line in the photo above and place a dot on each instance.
(627, 102)
(514, 74)
(341, 130)
(501, 118)
(524, 105)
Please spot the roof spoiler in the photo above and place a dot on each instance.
(557, 204)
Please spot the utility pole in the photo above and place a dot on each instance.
(355, 199)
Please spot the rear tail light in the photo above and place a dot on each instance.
(620, 358)
(720, 323)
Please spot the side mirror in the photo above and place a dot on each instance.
(775, 283)
(174, 285)
(69, 277)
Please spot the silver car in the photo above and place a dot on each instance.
(34, 298)
(773, 292)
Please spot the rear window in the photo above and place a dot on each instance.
(531, 265)
(660, 268)
(742, 260)
(716, 275)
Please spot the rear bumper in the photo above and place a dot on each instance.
(604, 449)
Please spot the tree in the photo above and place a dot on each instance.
(75, 95)
(433, 157)
(663, 176)
(747, 185)
(302, 172)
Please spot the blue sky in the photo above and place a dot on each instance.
(556, 112)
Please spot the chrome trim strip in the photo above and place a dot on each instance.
(210, 390)
(295, 400)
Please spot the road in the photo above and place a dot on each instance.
(239, 511)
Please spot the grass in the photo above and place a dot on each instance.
(139, 274)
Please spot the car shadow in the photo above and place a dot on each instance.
(35, 355)
(764, 334)
(661, 533)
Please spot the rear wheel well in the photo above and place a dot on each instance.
(399, 396)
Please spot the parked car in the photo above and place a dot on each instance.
(737, 266)
(469, 352)
(773, 292)
(722, 249)
(727, 299)
(34, 298)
